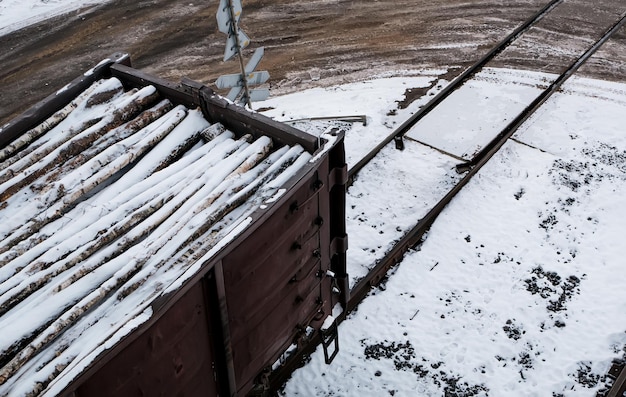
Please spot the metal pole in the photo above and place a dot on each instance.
(234, 30)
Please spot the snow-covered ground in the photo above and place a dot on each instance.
(517, 289)
(16, 14)
(482, 108)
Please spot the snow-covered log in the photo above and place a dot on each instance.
(71, 188)
(119, 200)
(38, 166)
(117, 134)
(9, 155)
(91, 106)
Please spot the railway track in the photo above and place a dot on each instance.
(468, 165)
(470, 168)
(618, 375)
(399, 133)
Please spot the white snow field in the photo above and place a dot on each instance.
(518, 289)
(17, 14)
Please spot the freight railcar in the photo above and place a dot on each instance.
(159, 240)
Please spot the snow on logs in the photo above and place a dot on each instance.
(102, 206)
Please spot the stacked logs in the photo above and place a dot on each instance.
(103, 206)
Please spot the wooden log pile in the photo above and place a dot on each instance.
(102, 207)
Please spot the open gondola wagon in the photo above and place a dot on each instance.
(160, 240)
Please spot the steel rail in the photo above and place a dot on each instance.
(619, 384)
(508, 131)
(453, 86)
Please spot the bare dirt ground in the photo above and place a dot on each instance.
(307, 42)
